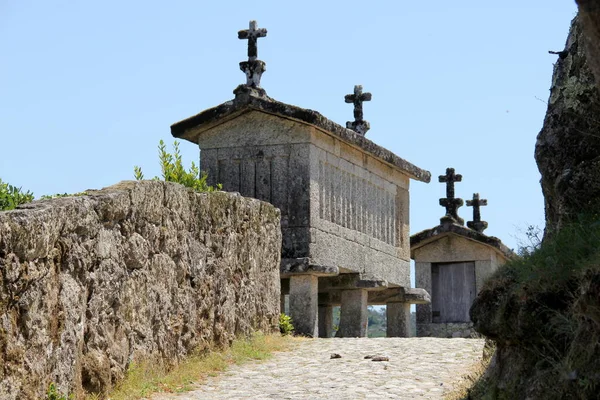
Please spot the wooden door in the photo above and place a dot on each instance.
(452, 291)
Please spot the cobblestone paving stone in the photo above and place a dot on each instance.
(418, 368)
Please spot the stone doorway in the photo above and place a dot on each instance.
(453, 290)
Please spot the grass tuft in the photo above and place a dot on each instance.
(147, 377)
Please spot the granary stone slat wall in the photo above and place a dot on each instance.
(359, 211)
(354, 202)
(140, 269)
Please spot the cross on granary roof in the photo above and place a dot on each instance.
(359, 125)
(253, 68)
(477, 224)
(450, 202)
(252, 34)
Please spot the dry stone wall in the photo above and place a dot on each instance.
(137, 270)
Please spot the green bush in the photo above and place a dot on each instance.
(11, 196)
(562, 258)
(172, 169)
(53, 394)
(285, 324)
(546, 303)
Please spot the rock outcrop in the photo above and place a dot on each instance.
(589, 14)
(568, 147)
(543, 312)
(137, 270)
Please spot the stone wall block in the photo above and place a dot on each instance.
(137, 270)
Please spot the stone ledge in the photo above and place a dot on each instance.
(302, 266)
(381, 296)
(350, 281)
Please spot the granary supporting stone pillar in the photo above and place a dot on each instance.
(303, 304)
(398, 319)
(325, 316)
(285, 290)
(325, 321)
(354, 317)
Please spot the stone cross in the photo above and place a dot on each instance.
(359, 125)
(477, 224)
(253, 68)
(450, 202)
(252, 34)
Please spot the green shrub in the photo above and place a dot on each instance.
(53, 394)
(547, 304)
(11, 196)
(285, 324)
(565, 256)
(172, 169)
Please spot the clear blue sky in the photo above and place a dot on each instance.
(89, 88)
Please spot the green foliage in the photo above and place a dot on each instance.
(377, 318)
(173, 170)
(285, 324)
(566, 256)
(53, 394)
(548, 302)
(532, 242)
(11, 196)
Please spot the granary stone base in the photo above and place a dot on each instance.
(354, 316)
(303, 304)
(447, 330)
(325, 321)
(398, 319)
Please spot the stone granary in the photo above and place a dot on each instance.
(452, 262)
(343, 199)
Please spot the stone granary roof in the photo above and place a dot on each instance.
(431, 235)
(249, 99)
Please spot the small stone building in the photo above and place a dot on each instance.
(451, 263)
(343, 200)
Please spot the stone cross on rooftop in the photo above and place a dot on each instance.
(359, 125)
(252, 34)
(477, 224)
(450, 202)
(253, 68)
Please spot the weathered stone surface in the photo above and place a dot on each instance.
(353, 314)
(568, 147)
(447, 330)
(398, 319)
(136, 270)
(304, 299)
(589, 14)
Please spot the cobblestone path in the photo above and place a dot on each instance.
(418, 368)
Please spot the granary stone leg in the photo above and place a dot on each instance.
(398, 319)
(353, 317)
(282, 303)
(303, 304)
(325, 321)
